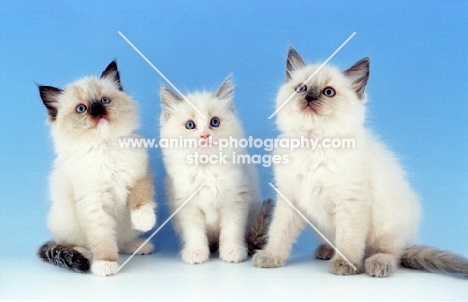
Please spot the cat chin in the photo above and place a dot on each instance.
(204, 144)
(309, 109)
(102, 120)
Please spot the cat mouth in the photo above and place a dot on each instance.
(204, 143)
(101, 119)
(310, 107)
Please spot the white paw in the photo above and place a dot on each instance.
(104, 268)
(195, 255)
(143, 218)
(233, 255)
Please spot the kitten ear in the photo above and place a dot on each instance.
(111, 72)
(226, 92)
(359, 74)
(294, 62)
(49, 96)
(168, 99)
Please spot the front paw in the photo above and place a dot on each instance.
(380, 265)
(341, 267)
(267, 260)
(197, 255)
(104, 268)
(143, 218)
(233, 254)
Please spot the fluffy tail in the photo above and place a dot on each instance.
(434, 260)
(65, 256)
(258, 235)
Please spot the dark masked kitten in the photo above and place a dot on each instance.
(357, 196)
(102, 194)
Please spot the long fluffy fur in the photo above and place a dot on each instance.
(259, 234)
(359, 198)
(102, 194)
(65, 256)
(435, 260)
(221, 213)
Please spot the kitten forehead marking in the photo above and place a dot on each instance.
(295, 61)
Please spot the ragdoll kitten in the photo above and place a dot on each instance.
(102, 194)
(220, 213)
(358, 197)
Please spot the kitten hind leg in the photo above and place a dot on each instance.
(129, 240)
(137, 244)
(324, 252)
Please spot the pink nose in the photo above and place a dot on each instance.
(205, 135)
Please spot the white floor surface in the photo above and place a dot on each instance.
(165, 277)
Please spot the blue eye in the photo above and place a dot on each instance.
(215, 122)
(301, 88)
(329, 92)
(80, 108)
(190, 125)
(105, 101)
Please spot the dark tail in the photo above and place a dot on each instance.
(65, 256)
(258, 236)
(434, 260)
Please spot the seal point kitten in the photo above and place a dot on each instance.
(359, 198)
(102, 194)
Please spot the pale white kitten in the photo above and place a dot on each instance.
(359, 198)
(102, 194)
(220, 214)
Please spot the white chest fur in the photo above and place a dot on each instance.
(103, 167)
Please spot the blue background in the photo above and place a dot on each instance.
(417, 90)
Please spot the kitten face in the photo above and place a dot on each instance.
(91, 106)
(179, 119)
(330, 96)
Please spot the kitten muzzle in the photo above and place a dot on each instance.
(98, 110)
(312, 94)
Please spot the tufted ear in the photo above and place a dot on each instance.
(49, 96)
(293, 63)
(168, 100)
(359, 74)
(226, 92)
(111, 72)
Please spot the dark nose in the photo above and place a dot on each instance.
(312, 94)
(97, 109)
